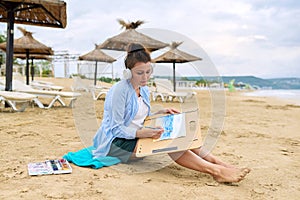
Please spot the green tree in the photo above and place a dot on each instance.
(45, 66)
(2, 39)
(108, 80)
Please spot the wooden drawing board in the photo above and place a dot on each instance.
(192, 139)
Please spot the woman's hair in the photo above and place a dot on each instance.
(136, 53)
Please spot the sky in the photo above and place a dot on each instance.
(239, 37)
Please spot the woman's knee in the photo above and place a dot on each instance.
(176, 155)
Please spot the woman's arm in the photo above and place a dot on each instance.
(154, 133)
(167, 111)
(118, 113)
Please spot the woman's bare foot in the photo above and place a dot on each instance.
(212, 159)
(225, 164)
(231, 175)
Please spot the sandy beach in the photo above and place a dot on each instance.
(261, 133)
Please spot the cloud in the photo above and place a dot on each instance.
(245, 37)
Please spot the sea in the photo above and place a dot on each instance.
(290, 95)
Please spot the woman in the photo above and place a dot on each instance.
(127, 105)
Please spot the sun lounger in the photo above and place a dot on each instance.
(43, 85)
(79, 84)
(165, 92)
(98, 91)
(14, 99)
(55, 96)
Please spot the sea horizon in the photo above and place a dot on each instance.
(292, 95)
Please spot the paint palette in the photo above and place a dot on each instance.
(58, 166)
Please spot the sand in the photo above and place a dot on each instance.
(259, 133)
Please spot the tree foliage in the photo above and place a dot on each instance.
(2, 39)
(108, 80)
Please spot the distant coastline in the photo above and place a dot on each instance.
(255, 82)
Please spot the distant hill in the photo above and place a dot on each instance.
(274, 83)
(251, 80)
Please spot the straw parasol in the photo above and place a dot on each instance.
(28, 45)
(130, 35)
(49, 13)
(33, 56)
(175, 55)
(98, 56)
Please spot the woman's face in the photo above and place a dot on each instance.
(141, 73)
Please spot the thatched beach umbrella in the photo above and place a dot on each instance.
(33, 56)
(98, 56)
(49, 13)
(174, 55)
(130, 35)
(28, 45)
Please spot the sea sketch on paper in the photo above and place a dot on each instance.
(173, 125)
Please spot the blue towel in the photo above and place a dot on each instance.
(84, 158)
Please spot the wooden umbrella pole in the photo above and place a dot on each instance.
(174, 83)
(9, 47)
(32, 70)
(95, 78)
(27, 66)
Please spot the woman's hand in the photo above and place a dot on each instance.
(168, 111)
(154, 133)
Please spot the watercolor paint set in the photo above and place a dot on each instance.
(58, 166)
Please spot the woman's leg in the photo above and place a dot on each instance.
(219, 172)
(210, 158)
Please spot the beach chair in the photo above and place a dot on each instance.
(18, 101)
(84, 85)
(55, 96)
(79, 84)
(2, 84)
(98, 91)
(44, 85)
(164, 90)
(153, 92)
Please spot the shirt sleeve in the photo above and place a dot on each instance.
(119, 115)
